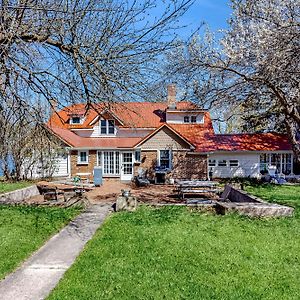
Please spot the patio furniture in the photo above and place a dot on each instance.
(141, 178)
(195, 187)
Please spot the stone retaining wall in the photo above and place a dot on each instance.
(19, 195)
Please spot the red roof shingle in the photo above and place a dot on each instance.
(151, 115)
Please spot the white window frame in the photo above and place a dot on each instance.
(135, 155)
(170, 158)
(222, 160)
(188, 119)
(107, 127)
(117, 171)
(235, 165)
(193, 122)
(80, 120)
(79, 162)
(210, 163)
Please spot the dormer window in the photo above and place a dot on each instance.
(193, 119)
(186, 119)
(75, 120)
(107, 126)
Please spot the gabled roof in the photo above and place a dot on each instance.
(146, 138)
(76, 141)
(152, 115)
(131, 114)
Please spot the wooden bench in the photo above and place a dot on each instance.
(195, 187)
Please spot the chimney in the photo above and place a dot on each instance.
(171, 98)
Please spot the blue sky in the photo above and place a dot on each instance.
(213, 12)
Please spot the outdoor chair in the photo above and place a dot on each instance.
(141, 178)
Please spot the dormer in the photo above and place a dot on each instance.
(181, 112)
(106, 124)
(76, 120)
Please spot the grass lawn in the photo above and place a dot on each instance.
(11, 186)
(172, 253)
(24, 229)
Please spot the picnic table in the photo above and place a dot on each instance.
(198, 187)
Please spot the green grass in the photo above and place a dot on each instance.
(11, 186)
(283, 194)
(24, 229)
(172, 253)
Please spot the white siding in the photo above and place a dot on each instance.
(36, 170)
(120, 132)
(178, 117)
(248, 165)
(61, 169)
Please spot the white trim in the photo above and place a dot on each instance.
(170, 157)
(186, 111)
(81, 129)
(78, 157)
(107, 134)
(153, 133)
(81, 120)
(69, 164)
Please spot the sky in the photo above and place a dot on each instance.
(213, 12)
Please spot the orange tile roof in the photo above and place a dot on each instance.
(152, 115)
(76, 141)
(132, 114)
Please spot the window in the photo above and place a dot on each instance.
(111, 126)
(165, 159)
(186, 119)
(212, 163)
(83, 157)
(234, 163)
(286, 164)
(222, 163)
(193, 119)
(264, 162)
(75, 120)
(137, 155)
(107, 126)
(103, 126)
(111, 162)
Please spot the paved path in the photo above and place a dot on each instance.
(42, 271)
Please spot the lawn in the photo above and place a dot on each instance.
(24, 229)
(172, 253)
(11, 186)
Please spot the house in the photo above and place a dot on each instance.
(165, 139)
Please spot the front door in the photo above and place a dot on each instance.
(127, 166)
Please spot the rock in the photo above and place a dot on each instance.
(126, 203)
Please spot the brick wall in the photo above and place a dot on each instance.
(80, 168)
(148, 162)
(185, 165)
(189, 166)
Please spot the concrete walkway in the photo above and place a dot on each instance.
(42, 271)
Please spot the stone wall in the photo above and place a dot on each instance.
(19, 196)
(83, 168)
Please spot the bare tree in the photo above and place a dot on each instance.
(255, 70)
(75, 51)
(83, 50)
(25, 142)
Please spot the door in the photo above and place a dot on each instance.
(127, 166)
